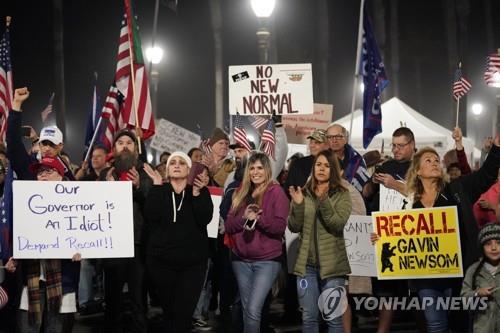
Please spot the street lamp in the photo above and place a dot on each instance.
(263, 9)
(477, 109)
(154, 55)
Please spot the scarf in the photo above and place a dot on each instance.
(53, 280)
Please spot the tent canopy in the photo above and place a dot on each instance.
(395, 114)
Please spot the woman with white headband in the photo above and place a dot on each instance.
(177, 214)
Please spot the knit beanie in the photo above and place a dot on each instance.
(182, 155)
(488, 232)
(127, 133)
(218, 135)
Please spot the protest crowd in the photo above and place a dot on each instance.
(246, 267)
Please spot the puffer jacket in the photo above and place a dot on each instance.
(332, 213)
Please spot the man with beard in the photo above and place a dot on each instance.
(118, 271)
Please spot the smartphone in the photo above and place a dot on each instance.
(26, 131)
(250, 224)
(196, 169)
(379, 169)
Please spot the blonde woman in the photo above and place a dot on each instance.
(427, 187)
(256, 222)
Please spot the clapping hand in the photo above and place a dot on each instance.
(296, 194)
(153, 174)
(200, 182)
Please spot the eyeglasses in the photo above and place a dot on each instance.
(45, 171)
(399, 145)
(335, 137)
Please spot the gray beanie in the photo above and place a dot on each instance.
(488, 232)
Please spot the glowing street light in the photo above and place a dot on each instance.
(263, 8)
(477, 109)
(154, 54)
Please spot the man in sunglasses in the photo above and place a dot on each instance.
(51, 141)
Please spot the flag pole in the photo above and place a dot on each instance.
(356, 70)
(132, 72)
(93, 139)
(458, 101)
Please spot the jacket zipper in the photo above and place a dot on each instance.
(316, 238)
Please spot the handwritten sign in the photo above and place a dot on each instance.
(360, 251)
(171, 137)
(262, 89)
(298, 128)
(391, 200)
(216, 195)
(418, 243)
(58, 219)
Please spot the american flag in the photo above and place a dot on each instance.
(5, 82)
(48, 109)
(130, 45)
(6, 217)
(205, 146)
(257, 121)
(239, 133)
(111, 112)
(461, 85)
(492, 73)
(267, 140)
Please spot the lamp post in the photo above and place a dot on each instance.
(263, 9)
(154, 55)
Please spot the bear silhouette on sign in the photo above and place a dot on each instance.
(387, 253)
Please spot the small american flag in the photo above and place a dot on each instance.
(461, 85)
(258, 121)
(5, 81)
(205, 146)
(239, 133)
(267, 140)
(48, 109)
(111, 112)
(492, 73)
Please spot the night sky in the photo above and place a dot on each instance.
(186, 86)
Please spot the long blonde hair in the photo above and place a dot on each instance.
(414, 184)
(247, 187)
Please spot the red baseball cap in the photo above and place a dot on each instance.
(50, 162)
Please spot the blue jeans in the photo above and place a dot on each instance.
(437, 319)
(206, 293)
(309, 289)
(255, 279)
(85, 286)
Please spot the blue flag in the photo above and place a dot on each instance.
(93, 117)
(6, 217)
(374, 80)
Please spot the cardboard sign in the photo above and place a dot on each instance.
(391, 200)
(262, 89)
(360, 251)
(298, 128)
(216, 195)
(171, 137)
(418, 243)
(58, 219)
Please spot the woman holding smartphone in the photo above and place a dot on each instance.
(319, 213)
(256, 222)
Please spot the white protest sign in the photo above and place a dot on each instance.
(216, 195)
(298, 128)
(360, 251)
(262, 89)
(171, 137)
(391, 200)
(58, 219)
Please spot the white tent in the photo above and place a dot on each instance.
(395, 114)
